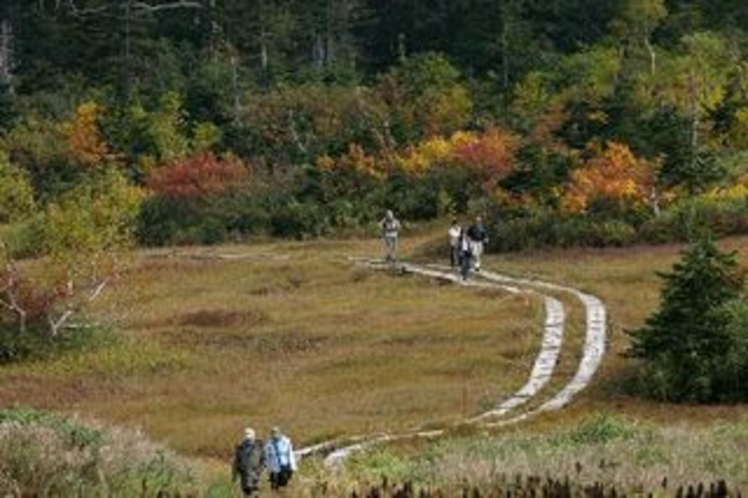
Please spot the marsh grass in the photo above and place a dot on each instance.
(287, 334)
(634, 456)
(294, 334)
(44, 454)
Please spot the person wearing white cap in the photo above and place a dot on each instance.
(280, 459)
(390, 227)
(249, 462)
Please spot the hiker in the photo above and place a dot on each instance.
(280, 459)
(249, 462)
(466, 254)
(478, 237)
(390, 227)
(454, 243)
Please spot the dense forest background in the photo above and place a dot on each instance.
(566, 122)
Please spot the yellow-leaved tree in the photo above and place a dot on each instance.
(83, 235)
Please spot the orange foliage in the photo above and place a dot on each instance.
(86, 145)
(356, 161)
(198, 176)
(491, 155)
(613, 174)
(545, 130)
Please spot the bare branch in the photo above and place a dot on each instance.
(56, 324)
(6, 304)
(97, 290)
(141, 7)
(78, 12)
(181, 4)
(10, 302)
(295, 134)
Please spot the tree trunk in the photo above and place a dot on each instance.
(693, 139)
(264, 59)
(652, 58)
(6, 56)
(127, 48)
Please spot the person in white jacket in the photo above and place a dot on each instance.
(390, 227)
(280, 459)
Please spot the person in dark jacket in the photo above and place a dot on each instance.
(478, 238)
(249, 463)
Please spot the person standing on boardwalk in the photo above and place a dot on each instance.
(390, 227)
(454, 243)
(466, 254)
(280, 459)
(478, 238)
(249, 462)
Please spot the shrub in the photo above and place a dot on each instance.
(551, 229)
(613, 175)
(164, 221)
(297, 220)
(686, 344)
(538, 230)
(36, 343)
(731, 373)
(200, 176)
(688, 218)
(44, 454)
(25, 239)
(16, 192)
(601, 429)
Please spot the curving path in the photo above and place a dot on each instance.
(512, 409)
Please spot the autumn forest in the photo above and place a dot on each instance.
(610, 121)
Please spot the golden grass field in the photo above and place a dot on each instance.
(290, 334)
(296, 335)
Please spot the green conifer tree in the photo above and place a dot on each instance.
(684, 342)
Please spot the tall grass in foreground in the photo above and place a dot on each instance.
(43, 454)
(610, 450)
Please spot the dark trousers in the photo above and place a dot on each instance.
(454, 256)
(280, 479)
(466, 262)
(250, 485)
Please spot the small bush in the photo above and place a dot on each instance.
(550, 229)
(44, 454)
(297, 220)
(37, 344)
(165, 221)
(689, 218)
(25, 239)
(601, 429)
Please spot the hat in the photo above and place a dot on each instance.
(275, 431)
(249, 433)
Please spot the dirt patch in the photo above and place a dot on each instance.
(222, 318)
(292, 283)
(360, 275)
(261, 343)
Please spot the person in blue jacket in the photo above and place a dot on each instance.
(280, 459)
